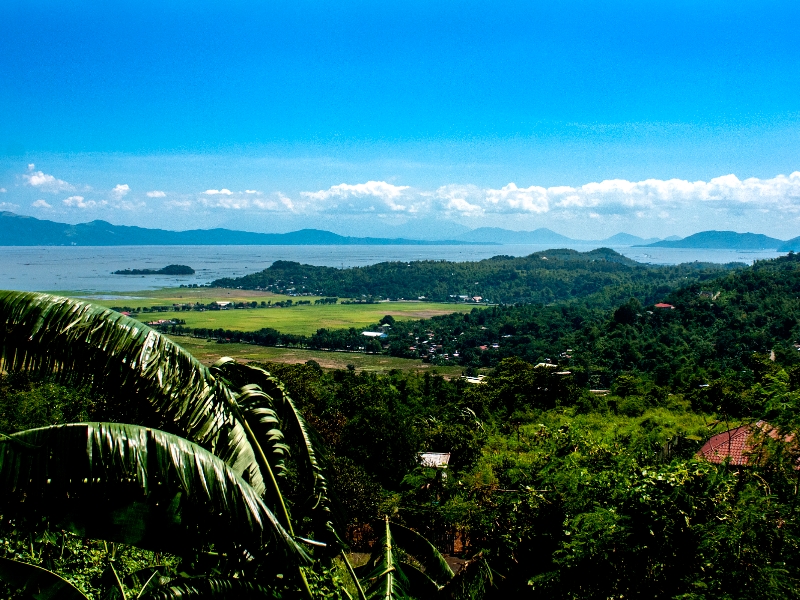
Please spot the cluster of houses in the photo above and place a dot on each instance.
(467, 298)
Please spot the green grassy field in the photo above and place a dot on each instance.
(301, 320)
(181, 296)
(208, 352)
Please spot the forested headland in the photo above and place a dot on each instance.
(542, 277)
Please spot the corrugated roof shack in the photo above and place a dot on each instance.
(437, 460)
(743, 446)
(449, 540)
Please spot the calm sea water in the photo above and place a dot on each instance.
(88, 269)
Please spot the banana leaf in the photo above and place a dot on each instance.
(420, 586)
(296, 430)
(143, 371)
(471, 583)
(37, 582)
(146, 578)
(425, 553)
(387, 579)
(138, 486)
(210, 588)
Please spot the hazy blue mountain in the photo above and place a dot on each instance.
(498, 235)
(420, 229)
(547, 236)
(626, 239)
(793, 245)
(18, 230)
(722, 240)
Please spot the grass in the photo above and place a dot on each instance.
(209, 351)
(300, 320)
(180, 296)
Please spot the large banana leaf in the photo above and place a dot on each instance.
(471, 583)
(425, 553)
(223, 589)
(38, 583)
(420, 586)
(138, 486)
(83, 343)
(423, 581)
(271, 393)
(387, 579)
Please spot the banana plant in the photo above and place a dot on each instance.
(138, 486)
(144, 487)
(210, 478)
(79, 343)
(389, 574)
(405, 564)
(37, 582)
(144, 374)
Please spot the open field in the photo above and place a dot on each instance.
(182, 295)
(299, 320)
(208, 351)
(305, 320)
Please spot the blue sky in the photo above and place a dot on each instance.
(589, 118)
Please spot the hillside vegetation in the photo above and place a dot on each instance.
(554, 489)
(543, 277)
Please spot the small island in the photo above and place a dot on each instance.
(168, 270)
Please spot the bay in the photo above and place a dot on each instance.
(88, 269)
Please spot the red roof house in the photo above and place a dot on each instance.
(663, 305)
(739, 445)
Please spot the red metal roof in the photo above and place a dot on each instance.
(663, 305)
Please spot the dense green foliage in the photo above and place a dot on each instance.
(567, 494)
(711, 333)
(554, 490)
(543, 277)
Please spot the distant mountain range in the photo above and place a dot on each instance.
(19, 230)
(546, 237)
(722, 240)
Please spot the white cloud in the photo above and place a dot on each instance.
(45, 182)
(510, 198)
(41, 204)
(607, 199)
(182, 204)
(8, 206)
(378, 189)
(619, 196)
(462, 199)
(129, 205)
(286, 201)
(359, 197)
(120, 190)
(227, 202)
(244, 201)
(81, 202)
(3, 190)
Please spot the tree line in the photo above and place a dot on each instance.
(542, 278)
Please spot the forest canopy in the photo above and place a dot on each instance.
(542, 277)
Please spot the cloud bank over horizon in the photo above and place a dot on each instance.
(611, 202)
